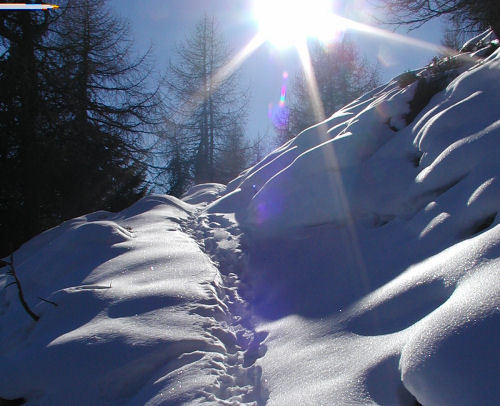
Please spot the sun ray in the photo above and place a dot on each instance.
(338, 189)
(228, 69)
(312, 85)
(393, 36)
(278, 31)
(323, 32)
(286, 23)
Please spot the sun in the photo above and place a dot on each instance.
(286, 23)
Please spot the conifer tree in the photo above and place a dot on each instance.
(106, 106)
(234, 154)
(22, 146)
(73, 109)
(205, 106)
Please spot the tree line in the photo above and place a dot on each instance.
(86, 125)
(72, 112)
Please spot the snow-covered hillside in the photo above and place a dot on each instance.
(356, 264)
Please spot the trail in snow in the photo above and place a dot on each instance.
(149, 312)
(239, 378)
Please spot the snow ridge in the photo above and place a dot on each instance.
(239, 380)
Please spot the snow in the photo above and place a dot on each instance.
(139, 316)
(356, 264)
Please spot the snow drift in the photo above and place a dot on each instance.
(356, 264)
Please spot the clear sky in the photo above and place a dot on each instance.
(167, 22)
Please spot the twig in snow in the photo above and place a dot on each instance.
(48, 301)
(12, 273)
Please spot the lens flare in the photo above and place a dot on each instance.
(283, 90)
(286, 23)
(280, 114)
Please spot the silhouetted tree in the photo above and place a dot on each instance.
(233, 155)
(106, 106)
(260, 147)
(23, 147)
(175, 177)
(73, 108)
(455, 35)
(205, 105)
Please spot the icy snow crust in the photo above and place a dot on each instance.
(356, 264)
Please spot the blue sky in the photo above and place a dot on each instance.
(167, 22)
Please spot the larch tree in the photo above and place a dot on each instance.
(205, 105)
(233, 152)
(106, 105)
(175, 175)
(22, 145)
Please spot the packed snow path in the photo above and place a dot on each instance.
(230, 320)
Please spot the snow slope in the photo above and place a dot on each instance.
(356, 264)
(143, 314)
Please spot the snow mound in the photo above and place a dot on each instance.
(373, 244)
(356, 164)
(204, 193)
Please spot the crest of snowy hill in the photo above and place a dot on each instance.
(356, 264)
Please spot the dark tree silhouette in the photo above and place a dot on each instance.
(73, 109)
(106, 108)
(454, 36)
(22, 146)
(233, 153)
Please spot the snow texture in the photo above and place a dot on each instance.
(356, 264)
